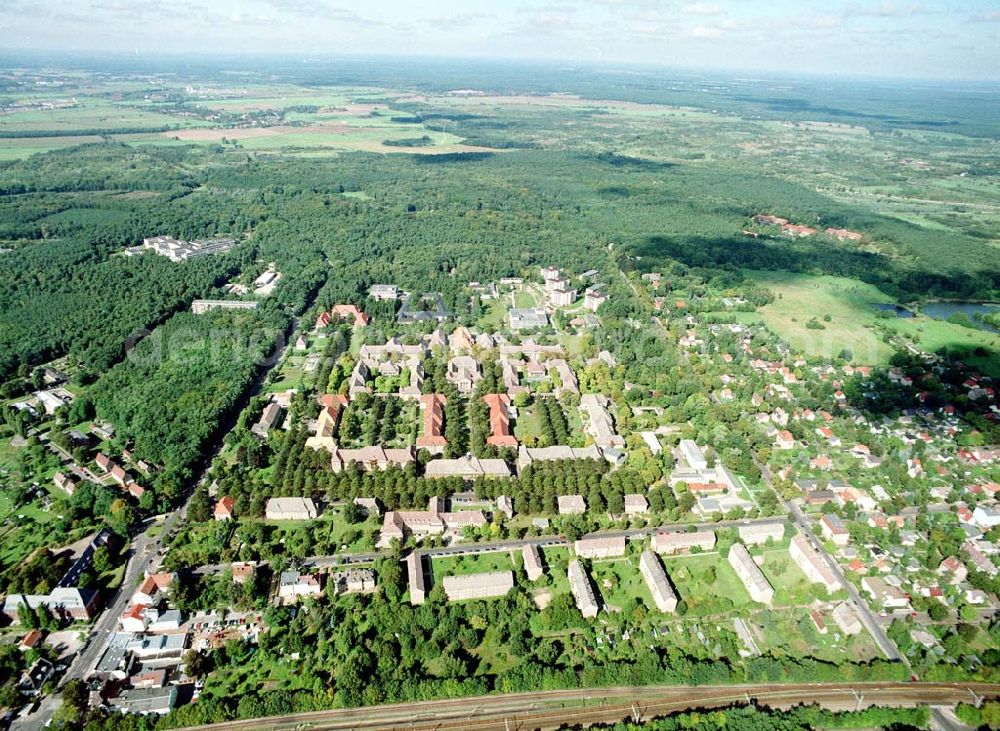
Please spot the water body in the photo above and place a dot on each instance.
(888, 307)
(944, 310)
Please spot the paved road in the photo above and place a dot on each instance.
(514, 544)
(886, 645)
(144, 556)
(553, 709)
(943, 718)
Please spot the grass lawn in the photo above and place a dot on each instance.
(472, 564)
(792, 632)
(573, 344)
(707, 583)
(802, 297)
(619, 581)
(495, 315)
(932, 335)
(791, 586)
(528, 427)
(358, 195)
(523, 299)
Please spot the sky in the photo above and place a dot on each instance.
(957, 39)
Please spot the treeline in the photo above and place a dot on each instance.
(373, 650)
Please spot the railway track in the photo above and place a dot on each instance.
(552, 709)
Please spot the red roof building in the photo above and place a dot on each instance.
(500, 435)
(347, 312)
(224, 508)
(433, 407)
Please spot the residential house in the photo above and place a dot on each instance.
(500, 435)
(294, 584)
(571, 505)
(433, 438)
(833, 528)
(636, 504)
(153, 588)
(225, 507)
(415, 578)
(756, 534)
(463, 371)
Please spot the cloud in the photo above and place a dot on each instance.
(456, 20)
(990, 17)
(706, 31)
(322, 9)
(815, 22)
(701, 9)
(885, 9)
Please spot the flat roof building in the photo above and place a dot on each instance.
(527, 318)
(384, 292)
(693, 455)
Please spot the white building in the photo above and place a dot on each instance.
(656, 579)
(532, 561)
(757, 585)
(290, 508)
(583, 591)
(478, 586)
(600, 547)
(693, 455)
(812, 564)
(756, 534)
(666, 542)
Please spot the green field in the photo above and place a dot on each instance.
(933, 335)
(620, 583)
(801, 297)
(472, 564)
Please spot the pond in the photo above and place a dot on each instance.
(889, 307)
(944, 310)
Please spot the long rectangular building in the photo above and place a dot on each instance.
(812, 564)
(666, 542)
(532, 561)
(757, 585)
(583, 592)
(415, 578)
(656, 579)
(600, 546)
(478, 586)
